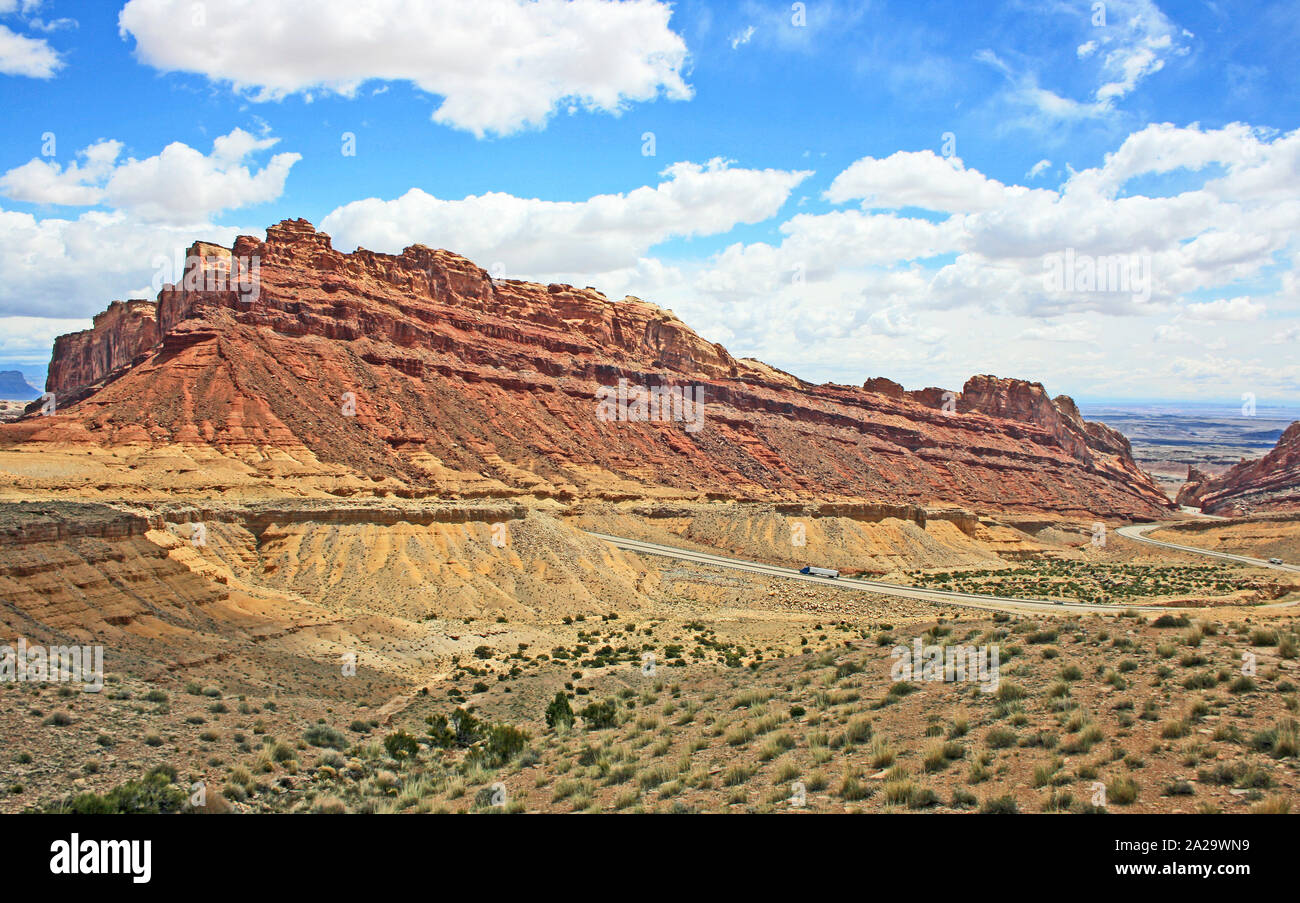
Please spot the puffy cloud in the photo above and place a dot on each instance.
(919, 179)
(77, 184)
(1286, 336)
(178, 185)
(28, 340)
(839, 284)
(31, 57)
(73, 267)
(1005, 238)
(499, 65)
(535, 237)
(1163, 147)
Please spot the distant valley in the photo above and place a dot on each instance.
(1168, 437)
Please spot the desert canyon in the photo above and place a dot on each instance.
(312, 501)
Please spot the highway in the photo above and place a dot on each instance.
(945, 597)
(1138, 532)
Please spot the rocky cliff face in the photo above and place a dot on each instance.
(421, 371)
(1271, 483)
(120, 335)
(1028, 402)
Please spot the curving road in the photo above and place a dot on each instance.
(1138, 532)
(945, 597)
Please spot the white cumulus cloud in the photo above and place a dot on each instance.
(178, 185)
(534, 237)
(499, 65)
(31, 57)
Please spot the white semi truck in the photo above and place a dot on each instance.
(819, 572)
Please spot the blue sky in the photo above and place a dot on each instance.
(466, 116)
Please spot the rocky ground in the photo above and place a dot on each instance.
(759, 691)
(1113, 711)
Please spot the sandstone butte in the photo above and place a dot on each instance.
(1264, 485)
(468, 386)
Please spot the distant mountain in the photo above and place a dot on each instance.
(14, 387)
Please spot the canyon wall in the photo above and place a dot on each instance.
(422, 372)
(1267, 484)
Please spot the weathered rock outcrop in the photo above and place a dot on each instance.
(421, 369)
(121, 334)
(1270, 483)
(1028, 402)
(882, 385)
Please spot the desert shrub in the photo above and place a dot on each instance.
(1243, 684)
(600, 715)
(466, 727)
(559, 714)
(858, 730)
(1277, 805)
(1001, 805)
(1262, 636)
(155, 793)
(401, 745)
(1071, 672)
(440, 733)
(737, 775)
(1287, 740)
(1000, 738)
(1121, 790)
(503, 743)
(1009, 692)
(1172, 730)
(324, 736)
(852, 789)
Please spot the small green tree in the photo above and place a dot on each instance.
(559, 713)
(467, 727)
(440, 733)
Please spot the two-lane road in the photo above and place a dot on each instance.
(944, 597)
(1138, 532)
